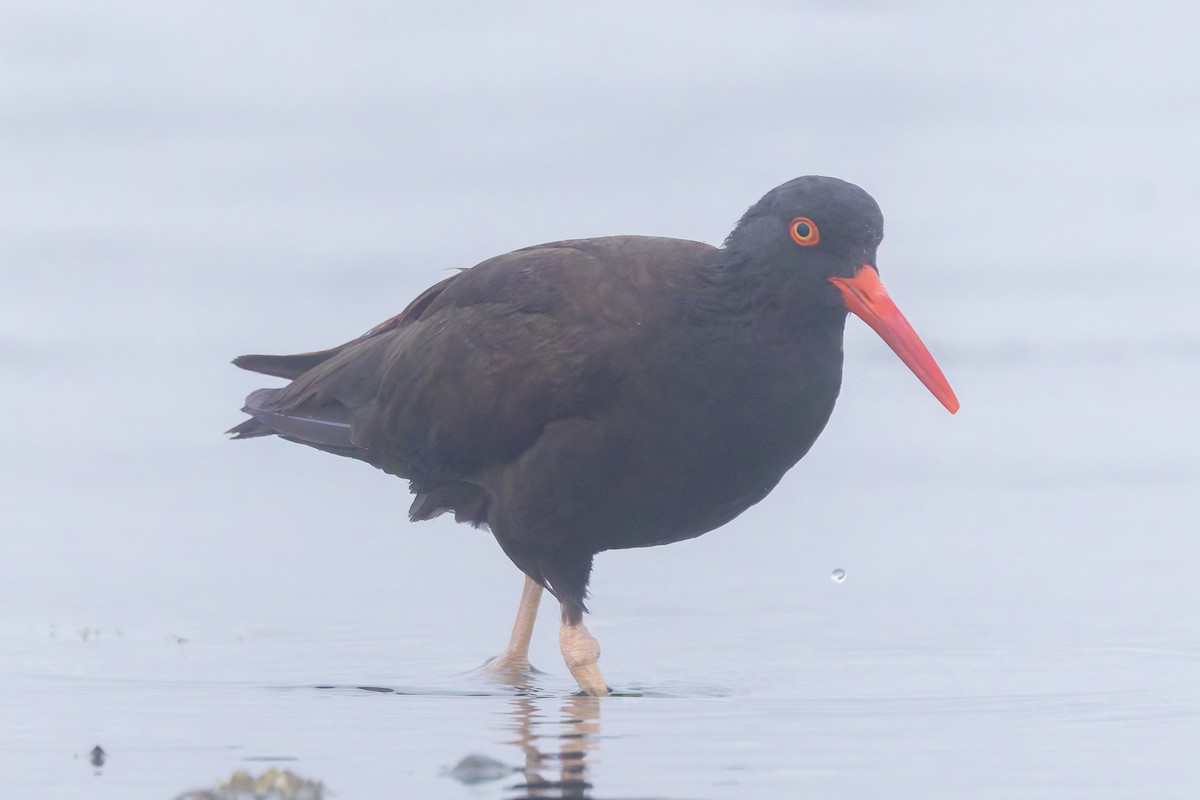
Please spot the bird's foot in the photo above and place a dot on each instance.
(581, 652)
(512, 669)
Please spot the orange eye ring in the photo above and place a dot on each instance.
(804, 232)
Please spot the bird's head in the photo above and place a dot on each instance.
(821, 235)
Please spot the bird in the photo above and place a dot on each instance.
(595, 394)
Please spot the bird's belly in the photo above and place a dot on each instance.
(602, 487)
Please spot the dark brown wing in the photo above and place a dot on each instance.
(468, 377)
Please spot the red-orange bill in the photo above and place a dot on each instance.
(865, 296)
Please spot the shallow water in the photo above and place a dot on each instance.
(1017, 615)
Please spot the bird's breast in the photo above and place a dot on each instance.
(687, 449)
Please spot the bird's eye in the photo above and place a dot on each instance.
(804, 232)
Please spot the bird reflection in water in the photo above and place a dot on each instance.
(556, 751)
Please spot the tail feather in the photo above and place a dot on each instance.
(290, 367)
(324, 424)
(332, 433)
(250, 429)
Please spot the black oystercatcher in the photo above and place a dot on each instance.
(594, 394)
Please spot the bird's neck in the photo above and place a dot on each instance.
(775, 342)
(770, 304)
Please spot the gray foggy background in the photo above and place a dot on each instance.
(181, 183)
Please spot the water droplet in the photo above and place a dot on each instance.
(838, 575)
